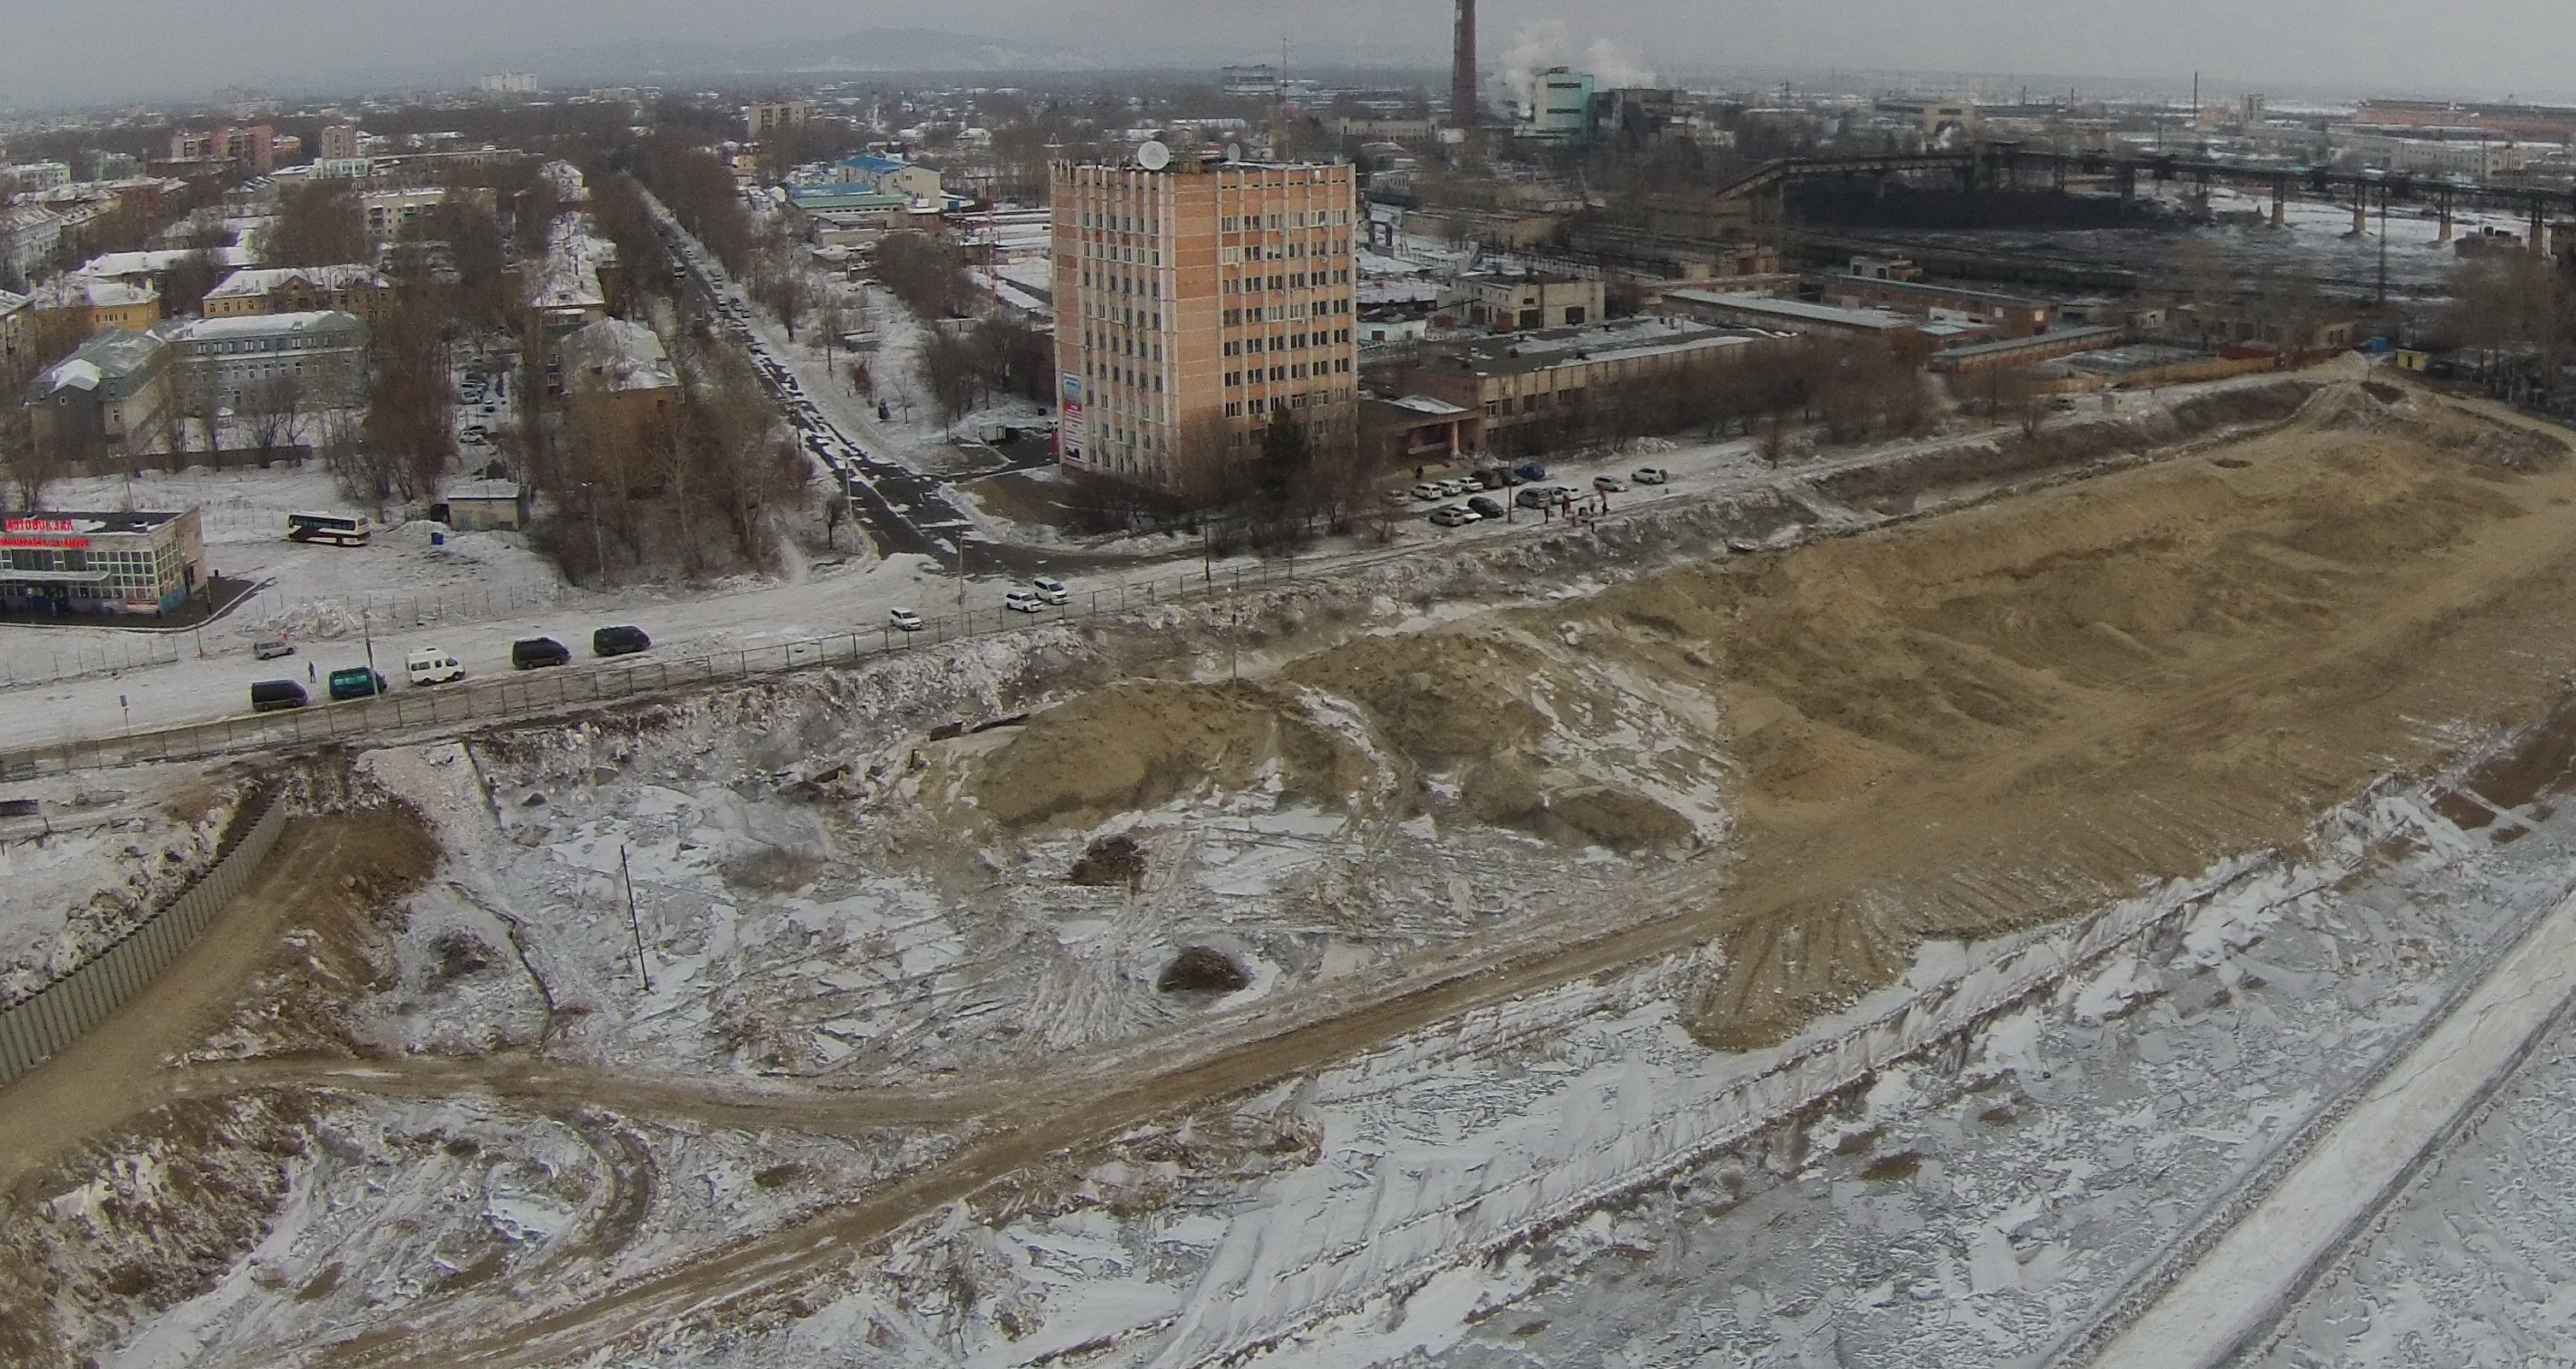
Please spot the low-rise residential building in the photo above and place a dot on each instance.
(31, 176)
(153, 267)
(322, 353)
(569, 286)
(566, 180)
(617, 379)
(1529, 388)
(352, 288)
(30, 235)
(1524, 301)
(387, 211)
(111, 399)
(74, 307)
(17, 339)
(100, 563)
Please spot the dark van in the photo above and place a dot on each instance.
(618, 641)
(535, 652)
(356, 682)
(268, 696)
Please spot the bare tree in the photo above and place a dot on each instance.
(317, 224)
(272, 408)
(30, 465)
(411, 414)
(952, 369)
(2019, 395)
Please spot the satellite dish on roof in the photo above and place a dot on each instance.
(1153, 156)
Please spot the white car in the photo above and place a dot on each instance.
(1649, 475)
(1050, 589)
(1021, 601)
(1453, 516)
(432, 665)
(903, 620)
(1427, 493)
(1609, 484)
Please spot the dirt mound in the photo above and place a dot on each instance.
(1202, 969)
(1895, 486)
(1438, 696)
(1140, 743)
(1998, 717)
(1109, 860)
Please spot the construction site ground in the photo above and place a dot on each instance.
(1856, 919)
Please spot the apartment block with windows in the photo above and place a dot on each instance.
(1192, 302)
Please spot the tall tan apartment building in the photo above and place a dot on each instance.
(1191, 302)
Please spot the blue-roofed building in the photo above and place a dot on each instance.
(888, 176)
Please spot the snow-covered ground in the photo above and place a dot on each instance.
(100, 853)
(1547, 1185)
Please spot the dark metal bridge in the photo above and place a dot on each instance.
(2012, 166)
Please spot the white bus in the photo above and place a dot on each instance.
(339, 529)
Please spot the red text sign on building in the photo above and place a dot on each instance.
(40, 525)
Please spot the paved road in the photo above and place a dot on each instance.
(903, 509)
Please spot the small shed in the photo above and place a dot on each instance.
(483, 506)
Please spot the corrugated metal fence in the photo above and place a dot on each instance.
(38, 1024)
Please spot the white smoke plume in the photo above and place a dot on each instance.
(1536, 47)
(1612, 69)
(1531, 53)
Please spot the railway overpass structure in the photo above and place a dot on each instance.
(2007, 166)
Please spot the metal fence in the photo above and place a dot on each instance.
(36, 1025)
(412, 713)
(44, 665)
(458, 604)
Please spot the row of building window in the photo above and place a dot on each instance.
(1229, 255)
(1320, 399)
(1294, 280)
(1288, 342)
(1278, 313)
(1298, 370)
(1280, 223)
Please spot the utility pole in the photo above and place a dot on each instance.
(2383, 247)
(634, 924)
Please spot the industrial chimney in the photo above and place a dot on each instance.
(1462, 70)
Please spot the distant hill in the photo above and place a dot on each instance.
(868, 50)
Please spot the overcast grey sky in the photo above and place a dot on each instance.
(53, 51)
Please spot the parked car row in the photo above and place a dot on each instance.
(1041, 592)
(1531, 495)
(432, 666)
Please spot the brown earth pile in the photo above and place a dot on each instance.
(1993, 719)
(1957, 726)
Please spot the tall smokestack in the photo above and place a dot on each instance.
(1462, 69)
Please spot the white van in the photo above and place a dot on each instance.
(430, 665)
(1051, 589)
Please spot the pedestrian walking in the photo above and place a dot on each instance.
(309, 676)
